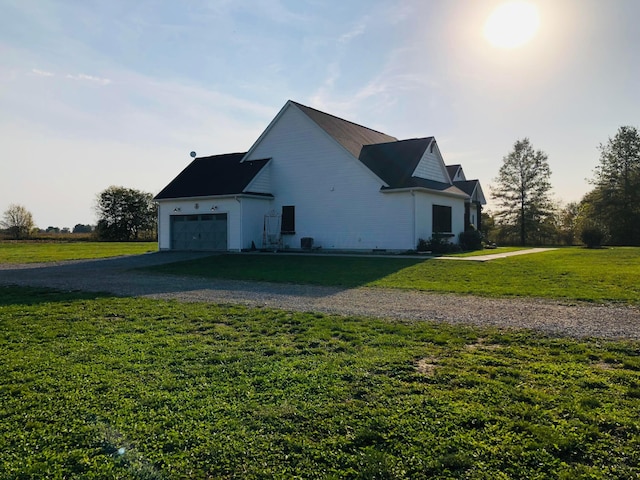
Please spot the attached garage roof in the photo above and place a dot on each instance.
(215, 175)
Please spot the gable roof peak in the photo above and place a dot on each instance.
(351, 136)
(311, 109)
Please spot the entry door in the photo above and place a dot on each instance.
(199, 232)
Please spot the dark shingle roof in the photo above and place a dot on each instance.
(469, 187)
(215, 175)
(348, 134)
(395, 162)
(452, 170)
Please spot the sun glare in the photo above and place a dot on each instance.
(512, 24)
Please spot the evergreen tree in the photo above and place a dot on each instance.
(522, 191)
(615, 201)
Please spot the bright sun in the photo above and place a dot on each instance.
(512, 24)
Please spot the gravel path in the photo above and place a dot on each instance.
(115, 276)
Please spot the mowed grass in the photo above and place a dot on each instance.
(138, 388)
(605, 275)
(35, 252)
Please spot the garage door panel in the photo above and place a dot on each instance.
(199, 232)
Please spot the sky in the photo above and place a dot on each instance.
(96, 93)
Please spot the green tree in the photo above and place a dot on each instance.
(522, 191)
(568, 222)
(124, 213)
(615, 201)
(80, 228)
(18, 221)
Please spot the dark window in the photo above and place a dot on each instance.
(288, 220)
(441, 219)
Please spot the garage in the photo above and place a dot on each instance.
(199, 232)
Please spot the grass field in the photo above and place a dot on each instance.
(137, 388)
(606, 275)
(34, 252)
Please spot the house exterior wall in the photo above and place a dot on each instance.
(167, 208)
(337, 200)
(424, 214)
(253, 212)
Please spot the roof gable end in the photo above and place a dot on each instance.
(431, 165)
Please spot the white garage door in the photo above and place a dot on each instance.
(199, 232)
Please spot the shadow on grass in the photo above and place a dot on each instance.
(332, 271)
(182, 272)
(29, 296)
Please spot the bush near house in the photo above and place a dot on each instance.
(471, 240)
(438, 243)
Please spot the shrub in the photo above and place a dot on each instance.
(438, 243)
(592, 237)
(471, 240)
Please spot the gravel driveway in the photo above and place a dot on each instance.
(115, 276)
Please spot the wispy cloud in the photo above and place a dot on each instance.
(41, 73)
(79, 76)
(358, 30)
(89, 78)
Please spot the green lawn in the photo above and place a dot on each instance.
(137, 388)
(34, 252)
(606, 275)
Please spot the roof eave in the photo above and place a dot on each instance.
(217, 197)
(461, 194)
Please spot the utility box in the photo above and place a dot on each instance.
(306, 243)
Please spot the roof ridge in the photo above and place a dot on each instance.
(341, 119)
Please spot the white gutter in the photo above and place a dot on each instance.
(424, 189)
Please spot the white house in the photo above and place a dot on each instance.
(315, 180)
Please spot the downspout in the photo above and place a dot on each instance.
(414, 210)
(158, 230)
(241, 222)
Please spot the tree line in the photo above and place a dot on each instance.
(609, 213)
(124, 214)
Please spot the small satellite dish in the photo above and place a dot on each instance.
(193, 154)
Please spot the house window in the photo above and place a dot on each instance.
(288, 225)
(441, 219)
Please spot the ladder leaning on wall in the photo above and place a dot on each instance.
(271, 234)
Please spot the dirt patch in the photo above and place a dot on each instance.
(481, 344)
(426, 366)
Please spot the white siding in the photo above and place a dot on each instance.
(424, 212)
(431, 167)
(262, 182)
(337, 199)
(459, 176)
(253, 211)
